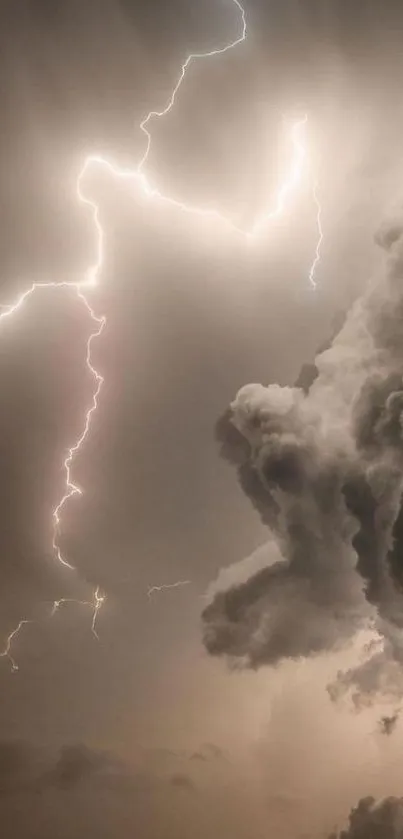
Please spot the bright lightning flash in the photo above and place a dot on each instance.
(138, 177)
(92, 275)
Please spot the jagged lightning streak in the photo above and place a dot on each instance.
(6, 653)
(72, 488)
(91, 277)
(192, 57)
(164, 586)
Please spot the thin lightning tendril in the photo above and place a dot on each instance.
(71, 488)
(164, 586)
(312, 270)
(171, 101)
(95, 605)
(91, 278)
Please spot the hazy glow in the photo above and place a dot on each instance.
(92, 274)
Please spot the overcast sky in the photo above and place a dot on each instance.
(193, 313)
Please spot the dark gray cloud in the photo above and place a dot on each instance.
(209, 751)
(309, 371)
(20, 765)
(182, 781)
(322, 464)
(76, 763)
(84, 792)
(25, 767)
(374, 820)
(388, 723)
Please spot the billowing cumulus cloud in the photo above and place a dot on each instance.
(322, 464)
(380, 820)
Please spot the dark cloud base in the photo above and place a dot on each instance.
(83, 792)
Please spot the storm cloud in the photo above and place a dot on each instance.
(322, 464)
(380, 820)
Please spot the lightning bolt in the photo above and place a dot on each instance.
(91, 277)
(178, 584)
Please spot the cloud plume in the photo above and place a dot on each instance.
(322, 463)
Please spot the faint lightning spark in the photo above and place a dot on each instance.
(315, 262)
(58, 603)
(95, 605)
(178, 584)
(7, 649)
(99, 601)
(91, 277)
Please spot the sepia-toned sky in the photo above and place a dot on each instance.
(168, 741)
